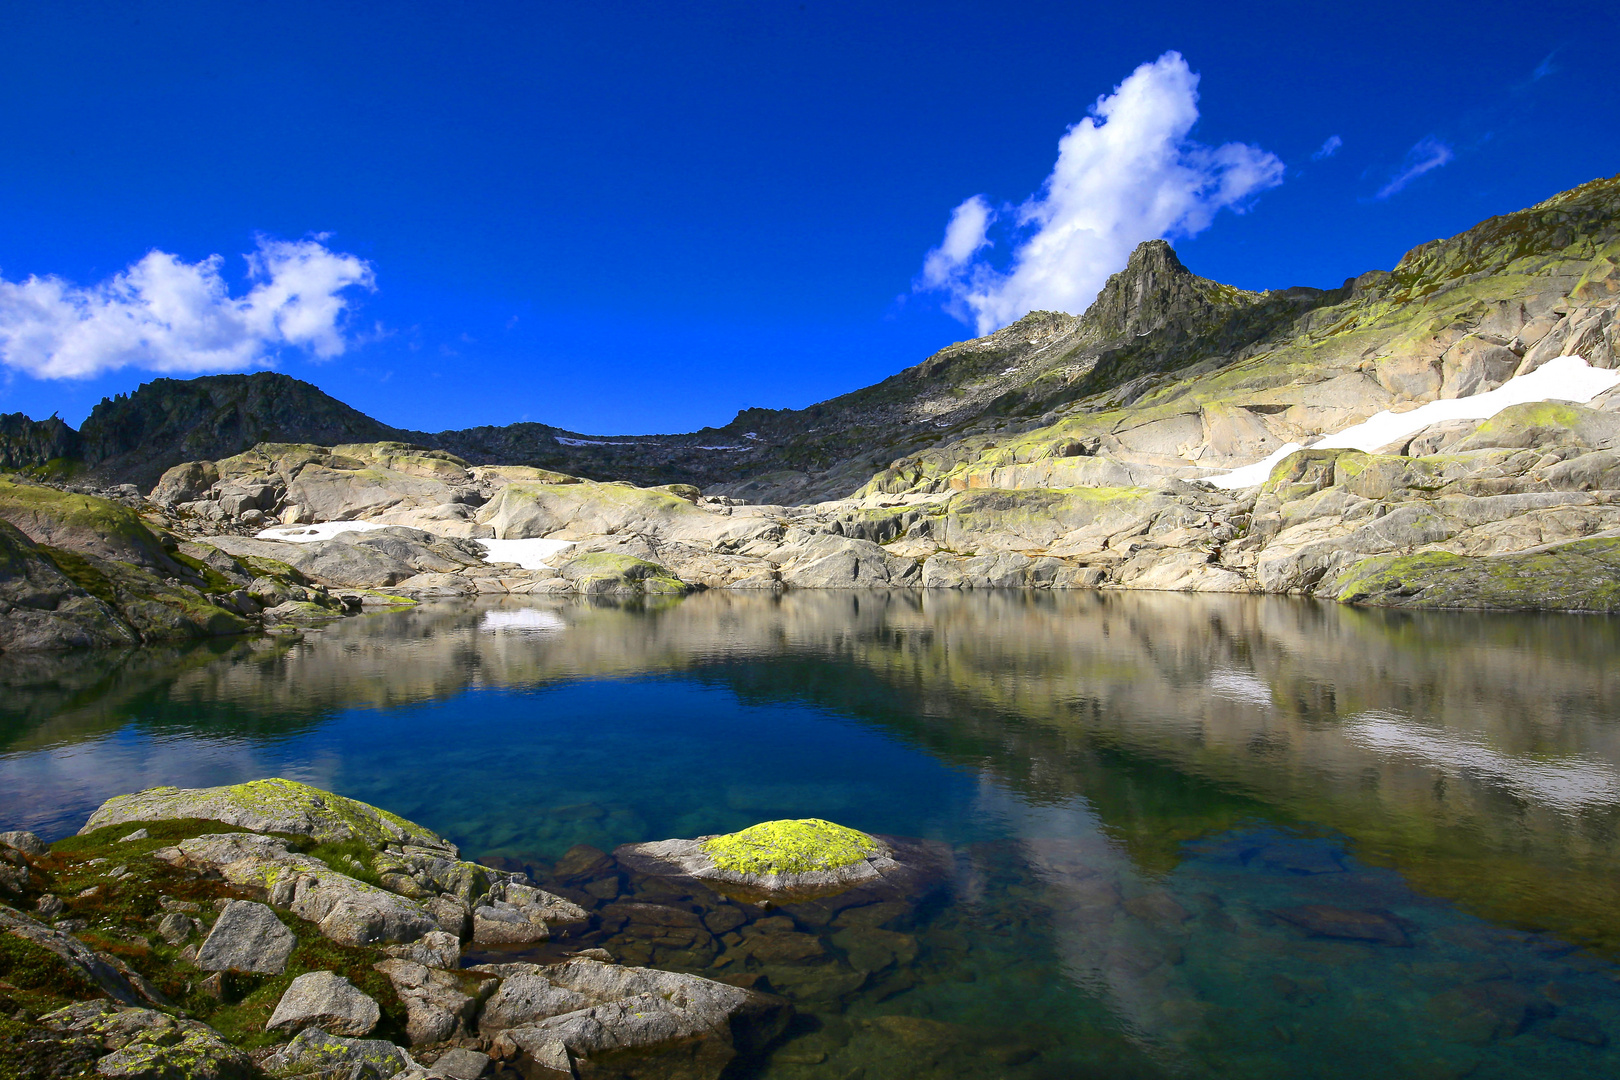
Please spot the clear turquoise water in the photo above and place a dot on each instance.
(1141, 793)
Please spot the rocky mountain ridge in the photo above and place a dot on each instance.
(1061, 452)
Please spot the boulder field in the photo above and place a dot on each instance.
(270, 929)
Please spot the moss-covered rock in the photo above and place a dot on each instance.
(803, 858)
(82, 523)
(270, 805)
(789, 847)
(44, 607)
(1583, 575)
(1544, 425)
(608, 573)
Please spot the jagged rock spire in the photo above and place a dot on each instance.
(1153, 289)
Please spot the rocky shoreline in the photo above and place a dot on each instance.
(1520, 512)
(274, 929)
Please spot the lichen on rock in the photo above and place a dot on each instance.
(789, 847)
(804, 858)
(271, 805)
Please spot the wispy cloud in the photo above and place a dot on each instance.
(1328, 148)
(1427, 154)
(1544, 69)
(164, 314)
(1125, 174)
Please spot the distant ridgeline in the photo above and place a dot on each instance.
(1166, 370)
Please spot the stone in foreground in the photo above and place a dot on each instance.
(668, 1024)
(247, 937)
(347, 910)
(459, 1063)
(324, 1000)
(25, 842)
(315, 1053)
(149, 1045)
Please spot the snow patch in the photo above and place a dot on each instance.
(308, 534)
(529, 554)
(1568, 378)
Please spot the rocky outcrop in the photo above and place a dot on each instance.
(42, 608)
(94, 969)
(36, 444)
(585, 1016)
(271, 805)
(136, 437)
(79, 569)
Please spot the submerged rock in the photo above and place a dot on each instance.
(1326, 920)
(674, 1025)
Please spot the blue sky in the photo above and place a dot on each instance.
(643, 217)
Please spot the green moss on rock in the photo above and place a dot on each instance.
(613, 572)
(270, 805)
(789, 847)
(1580, 576)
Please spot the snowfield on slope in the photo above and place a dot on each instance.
(529, 554)
(1568, 378)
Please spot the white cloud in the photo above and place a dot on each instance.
(1329, 147)
(1426, 154)
(1125, 174)
(163, 314)
(964, 236)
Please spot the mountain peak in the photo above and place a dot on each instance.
(1155, 290)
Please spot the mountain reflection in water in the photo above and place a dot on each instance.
(1136, 780)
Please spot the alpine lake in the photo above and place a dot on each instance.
(1190, 836)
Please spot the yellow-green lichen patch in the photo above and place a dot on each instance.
(270, 805)
(789, 847)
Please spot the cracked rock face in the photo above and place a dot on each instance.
(435, 1006)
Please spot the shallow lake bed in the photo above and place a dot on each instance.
(1192, 836)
